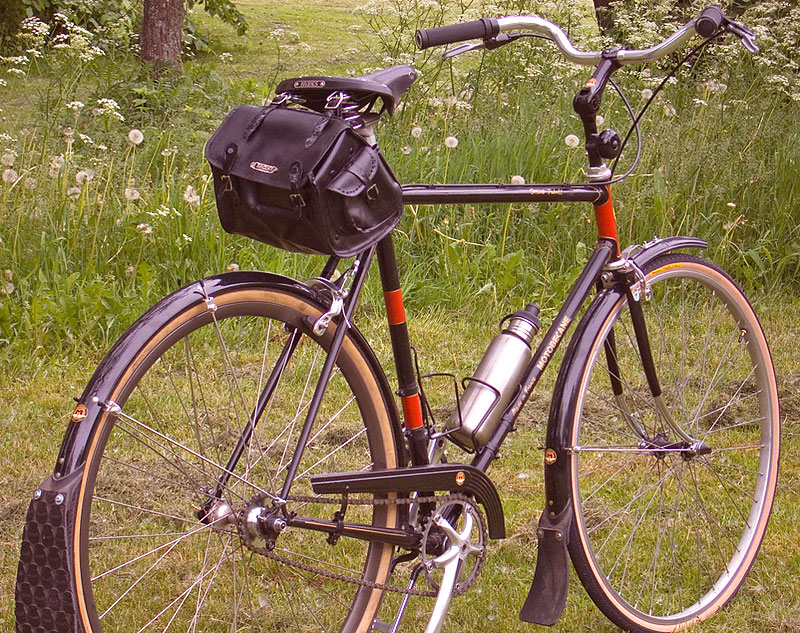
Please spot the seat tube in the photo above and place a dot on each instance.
(408, 388)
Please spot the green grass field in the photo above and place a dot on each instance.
(82, 269)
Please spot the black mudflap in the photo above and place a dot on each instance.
(548, 594)
(45, 595)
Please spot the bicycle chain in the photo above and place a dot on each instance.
(263, 551)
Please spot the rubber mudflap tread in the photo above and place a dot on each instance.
(45, 595)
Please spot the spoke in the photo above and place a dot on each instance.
(174, 517)
(194, 453)
(172, 543)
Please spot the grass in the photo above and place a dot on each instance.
(463, 266)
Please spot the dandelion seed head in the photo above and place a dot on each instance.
(30, 183)
(135, 136)
(84, 176)
(416, 131)
(8, 159)
(647, 93)
(9, 175)
(129, 271)
(73, 192)
(232, 268)
(451, 142)
(405, 150)
(9, 275)
(191, 196)
(132, 194)
(572, 141)
(517, 180)
(145, 228)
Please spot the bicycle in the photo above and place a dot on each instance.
(238, 462)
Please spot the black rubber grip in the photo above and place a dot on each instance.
(709, 21)
(476, 30)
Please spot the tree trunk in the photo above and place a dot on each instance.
(602, 9)
(162, 27)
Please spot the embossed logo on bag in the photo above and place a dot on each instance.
(309, 83)
(267, 169)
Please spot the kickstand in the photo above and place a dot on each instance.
(386, 627)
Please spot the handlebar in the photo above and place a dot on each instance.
(706, 24)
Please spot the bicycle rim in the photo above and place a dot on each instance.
(663, 538)
(145, 559)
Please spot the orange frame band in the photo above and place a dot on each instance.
(412, 411)
(606, 220)
(395, 310)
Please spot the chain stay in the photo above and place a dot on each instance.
(263, 551)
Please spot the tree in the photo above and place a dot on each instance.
(162, 27)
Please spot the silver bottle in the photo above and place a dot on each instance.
(491, 387)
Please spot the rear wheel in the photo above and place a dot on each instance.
(157, 549)
(669, 516)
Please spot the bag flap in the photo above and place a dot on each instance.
(272, 145)
(358, 174)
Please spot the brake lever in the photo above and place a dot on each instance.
(747, 37)
(489, 45)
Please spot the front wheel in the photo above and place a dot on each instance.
(672, 495)
(159, 543)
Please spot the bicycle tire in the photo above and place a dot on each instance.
(186, 377)
(663, 539)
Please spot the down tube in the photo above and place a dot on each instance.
(603, 252)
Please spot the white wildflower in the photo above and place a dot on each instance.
(732, 205)
(517, 180)
(186, 238)
(145, 228)
(405, 150)
(450, 101)
(132, 194)
(86, 139)
(450, 142)
(191, 197)
(572, 141)
(135, 136)
(232, 268)
(75, 106)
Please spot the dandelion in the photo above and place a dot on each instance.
(57, 162)
(416, 131)
(572, 141)
(517, 180)
(30, 183)
(599, 120)
(132, 194)
(450, 142)
(9, 175)
(450, 101)
(169, 151)
(73, 192)
(135, 136)
(84, 176)
(145, 228)
(731, 205)
(8, 288)
(8, 159)
(191, 197)
(647, 93)
(9, 275)
(129, 271)
(670, 110)
(232, 268)
(69, 135)
(405, 150)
